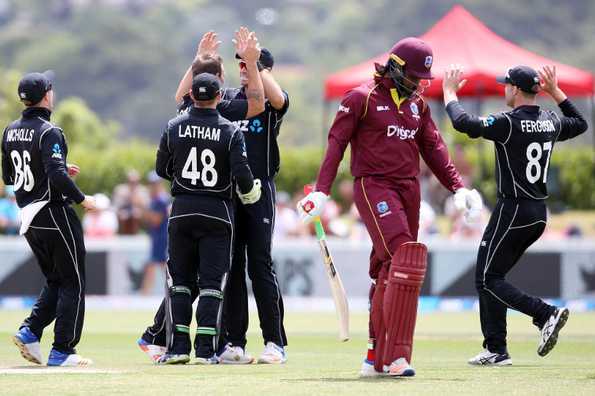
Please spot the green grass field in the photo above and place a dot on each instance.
(318, 363)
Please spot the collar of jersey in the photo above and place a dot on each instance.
(528, 108)
(31, 112)
(202, 111)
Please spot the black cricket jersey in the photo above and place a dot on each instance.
(261, 133)
(201, 153)
(34, 160)
(232, 110)
(524, 139)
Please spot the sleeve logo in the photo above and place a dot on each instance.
(57, 151)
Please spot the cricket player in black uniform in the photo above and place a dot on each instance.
(34, 161)
(153, 341)
(200, 153)
(524, 139)
(254, 228)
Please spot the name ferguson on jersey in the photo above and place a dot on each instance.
(530, 126)
(21, 134)
(199, 132)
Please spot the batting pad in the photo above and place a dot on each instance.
(405, 278)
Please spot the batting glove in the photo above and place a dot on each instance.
(469, 202)
(311, 206)
(251, 196)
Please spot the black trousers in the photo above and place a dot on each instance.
(56, 238)
(200, 237)
(513, 227)
(252, 246)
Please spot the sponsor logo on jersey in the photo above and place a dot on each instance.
(383, 209)
(530, 126)
(57, 151)
(256, 126)
(428, 61)
(343, 109)
(488, 121)
(242, 125)
(382, 108)
(401, 132)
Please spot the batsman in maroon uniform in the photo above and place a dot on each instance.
(389, 125)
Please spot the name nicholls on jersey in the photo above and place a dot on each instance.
(199, 132)
(530, 126)
(21, 134)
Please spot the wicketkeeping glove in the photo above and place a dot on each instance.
(311, 206)
(251, 196)
(469, 202)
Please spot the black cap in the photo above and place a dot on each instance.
(33, 87)
(205, 86)
(523, 77)
(266, 59)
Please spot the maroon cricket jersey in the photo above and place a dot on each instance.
(386, 140)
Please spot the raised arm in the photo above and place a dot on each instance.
(209, 44)
(572, 123)
(248, 49)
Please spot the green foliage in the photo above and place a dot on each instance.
(576, 176)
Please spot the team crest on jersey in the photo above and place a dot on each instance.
(57, 151)
(428, 61)
(414, 109)
(383, 208)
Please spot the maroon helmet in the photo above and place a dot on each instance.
(414, 56)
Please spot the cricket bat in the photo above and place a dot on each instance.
(337, 289)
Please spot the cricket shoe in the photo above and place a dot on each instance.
(28, 344)
(367, 370)
(205, 360)
(272, 354)
(487, 358)
(62, 359)
(173, 358)
(154, 352)
(235, 355)
(550, 330)
(400, 368)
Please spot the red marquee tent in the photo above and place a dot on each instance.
(461, 38)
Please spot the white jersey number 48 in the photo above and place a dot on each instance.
(208, 176)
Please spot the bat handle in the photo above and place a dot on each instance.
(320, 234)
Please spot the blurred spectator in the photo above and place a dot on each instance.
(155, 218)
(101, 223)
(130, 200)
(573, 231)
(287, 221)
(9, 212)
(427, 220)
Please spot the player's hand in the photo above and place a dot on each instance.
(89, 203)
(470, 203)
(208, 44)
(311, 206)
(73, 170)
(548, 79)
(247, 46)
(251, 196)
(453, 79)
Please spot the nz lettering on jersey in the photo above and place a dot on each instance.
(199, 132)
(242, 125)
(530, 126)
(401, 132)
(21, 135)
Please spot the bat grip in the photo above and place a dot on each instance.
(320, 234)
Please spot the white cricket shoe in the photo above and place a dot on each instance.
(235, 355)
(173, 358)
(28, 345)
(154, 352)
(400, 368)
(272, 354)
(550, 330)
(487, 358)
(62, 359)
(205, 360)
(367, 370)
